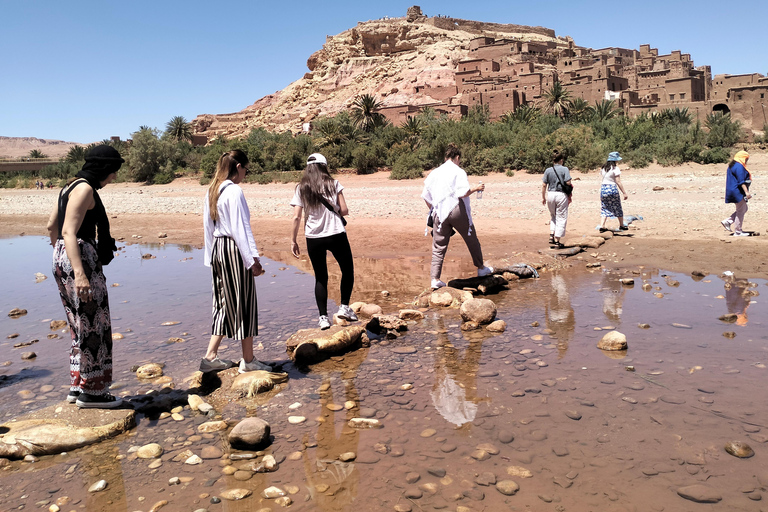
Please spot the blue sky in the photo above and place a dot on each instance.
(83, 71)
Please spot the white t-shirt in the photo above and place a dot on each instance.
(609, 178)
(321, 222)
(444, 187)
(234, 222)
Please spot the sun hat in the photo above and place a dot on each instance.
(614, 156)
(316, 158)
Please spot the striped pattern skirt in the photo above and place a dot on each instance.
(235, 314)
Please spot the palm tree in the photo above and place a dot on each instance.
(557, 99)
(36, 153)
(365, 115)
(178, 129)
(525, 114)
(579, 110)
(677, 115)
(605, 109)
(75, 154)
(413, 126)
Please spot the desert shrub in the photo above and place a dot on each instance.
(723, 132)
(365, 159)
(165, 175)
(637, 158)
(485, 161)
(588, 157)
(715, 156)
(150, 155)
(407, 167)
(510, 173)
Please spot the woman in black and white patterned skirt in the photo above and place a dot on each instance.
(77, 268)
(231, 253)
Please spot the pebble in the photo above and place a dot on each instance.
(284, 501)
(98, 486)
(428, 432)
(699, 493)
(506, 436)
(507, 487)
(235, 494)
(519, 471)
(574, 415)
(272, 492)
(295, 420)
(193, 460)
(403, 507)
(404, 350)
(242, 475)
(413, 493)
(436, 471)
(149, 451)
(412, 477)
(739, 449)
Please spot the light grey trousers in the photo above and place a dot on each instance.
(458, 220)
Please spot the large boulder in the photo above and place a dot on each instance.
(249, 384)
(250, 433)
(58, 428)
(388, 325)
(613, 340)
(309, 344)
(480, 311)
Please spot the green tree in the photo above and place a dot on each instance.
(365, 113)
(723, 132)
(75, 154)
(557, 99)
(605, 109)
(36, 153)
(151, 159)
(178, 129)
(677, 115)
(579, 110)
(525, 114)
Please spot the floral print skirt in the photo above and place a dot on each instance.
(90, 357)
(610, 201)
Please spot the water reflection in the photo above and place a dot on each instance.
(738, 295)
(454, 392)
(613, 297)
(561, 318)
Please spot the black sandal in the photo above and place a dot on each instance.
(556, 245)
(551, 239)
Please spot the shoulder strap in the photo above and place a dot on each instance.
(220, 191)
(331, 209)
(562, 185)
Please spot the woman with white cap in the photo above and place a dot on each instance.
(610, 201)
(320, 198)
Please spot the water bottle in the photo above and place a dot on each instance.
(480, 192)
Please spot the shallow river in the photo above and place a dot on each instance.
(538, 404)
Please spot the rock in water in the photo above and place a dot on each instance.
(481, 311)
(739, 449)
(236, 494)
(370, 310)
(613, 340)
(250, 433)
(17, 312)
(98, 486)
(50, 431)
(150, 371)
(699, 493)
(249, 384)
(306, 344)
(58, 324)
(149, 451)
(497, 326)
(507, 487)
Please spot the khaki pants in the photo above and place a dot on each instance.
(458, 220)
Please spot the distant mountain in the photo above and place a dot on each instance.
(14, 147)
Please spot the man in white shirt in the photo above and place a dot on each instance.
(446, 192)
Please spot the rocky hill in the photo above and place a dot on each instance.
(389, 58)
(14, 147)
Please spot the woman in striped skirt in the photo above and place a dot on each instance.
(231, 253)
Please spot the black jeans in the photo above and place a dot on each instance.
(317, 249)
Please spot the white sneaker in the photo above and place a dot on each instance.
(726, 224)
(254, 365)
(741, 233)
(346, 313)
(324, 323)
(436, 283)
(485, 271)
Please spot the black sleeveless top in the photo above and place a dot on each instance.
(87, 229)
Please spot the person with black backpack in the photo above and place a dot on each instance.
(556, 193)
(320, 198)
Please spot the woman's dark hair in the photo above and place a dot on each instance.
(315, 182)
(226, 169)
(557, 156)
(451, 151)
(730, 164)
(610, 164)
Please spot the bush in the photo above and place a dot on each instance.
(407, 167)
(715, 156)
(365, 159)
(723, 132)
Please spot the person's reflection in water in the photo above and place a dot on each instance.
(341, 478)
(613, 297)
(559, 313)
(454, 393)
(737, 299)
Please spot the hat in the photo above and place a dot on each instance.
(614, 156)
(104, 154)
(316, 158)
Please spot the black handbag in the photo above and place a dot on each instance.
(567, 189)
